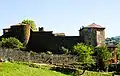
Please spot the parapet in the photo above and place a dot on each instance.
(59, 34)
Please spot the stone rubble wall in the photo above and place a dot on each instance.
(33, 57)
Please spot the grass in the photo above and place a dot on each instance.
(92, 73)
(15, 69)
(27, 69)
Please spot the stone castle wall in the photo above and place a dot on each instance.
(42, 41)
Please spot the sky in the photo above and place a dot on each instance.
(63, 15)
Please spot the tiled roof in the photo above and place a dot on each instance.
(111, 46)
(93, 25)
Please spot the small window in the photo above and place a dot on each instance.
(6, 30)
(89, 30)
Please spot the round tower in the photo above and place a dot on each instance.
(22, 32)
(26, 33)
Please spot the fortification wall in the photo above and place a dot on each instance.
(43, 43)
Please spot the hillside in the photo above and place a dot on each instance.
(15, 69)
(115, 40)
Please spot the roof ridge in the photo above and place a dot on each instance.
(94, 25)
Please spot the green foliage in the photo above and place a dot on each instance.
(30, 22)
(49, 52)
(65, 51)
(112, 40)
(104, 55)
(32, 53)
(0, 43)
(90, 36)
(118, 51)
(11, 43)
(91, 73)
(64, 70)
(77, 72)
(85, 54)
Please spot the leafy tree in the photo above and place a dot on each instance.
(118, 51)
(85, 54)
(11, 43)
(30, 22)
(103, 55)
(112, 40)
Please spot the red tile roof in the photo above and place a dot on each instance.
(93, 25)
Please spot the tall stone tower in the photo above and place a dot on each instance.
(93, 34)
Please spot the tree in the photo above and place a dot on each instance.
(11, 43)
(112, 40)
(118, 51)
(85, 54)
(30, 22)
(103, 55)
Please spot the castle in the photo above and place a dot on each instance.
(42, 41)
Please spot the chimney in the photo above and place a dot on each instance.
(41, 29)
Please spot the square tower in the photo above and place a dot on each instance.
(93, 34)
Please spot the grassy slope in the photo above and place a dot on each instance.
(14, 69)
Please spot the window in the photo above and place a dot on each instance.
(89, 29)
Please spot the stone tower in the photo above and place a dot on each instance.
(20, 31)
(93, 34)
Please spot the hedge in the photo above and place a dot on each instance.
(91, 73)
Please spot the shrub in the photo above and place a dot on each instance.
(29, 22)
(91, 73)
(0, 43)
(11, 43)
(65, 51)
(32, 53)
(49, 52)
(103, 55)
(85, 54)
(63, 70)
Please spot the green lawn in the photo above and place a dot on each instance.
(15, 69)
(25, 69)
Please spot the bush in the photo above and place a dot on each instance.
(63, 70)
(91, 73)
(77, 72)
(85, 54)
(12, 43)
(0, 43)
(49, 52)
(65, 51)
(32, 53)
(112, 67)
(103, 57)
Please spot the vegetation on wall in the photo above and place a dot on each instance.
(118, 51)
(31, 23)
(11, 43)
(65, 50)
(26, 32)
(90, 36)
